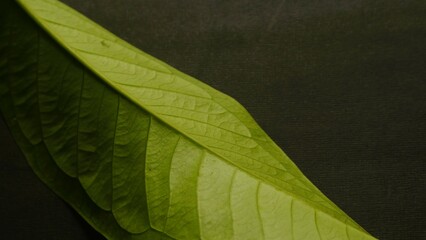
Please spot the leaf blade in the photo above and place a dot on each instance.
(236, 129)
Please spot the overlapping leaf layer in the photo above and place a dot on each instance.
(141, 150)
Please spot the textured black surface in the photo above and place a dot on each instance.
(339, 85)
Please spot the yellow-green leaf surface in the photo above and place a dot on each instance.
(141, 150)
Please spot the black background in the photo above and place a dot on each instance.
(339, 85)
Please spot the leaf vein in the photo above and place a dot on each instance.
(162, 90)
(262, 230)
(206, 123)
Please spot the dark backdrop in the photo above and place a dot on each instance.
(339, 85)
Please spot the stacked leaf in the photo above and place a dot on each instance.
(141, 150)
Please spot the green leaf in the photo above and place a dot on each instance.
(141, 150)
